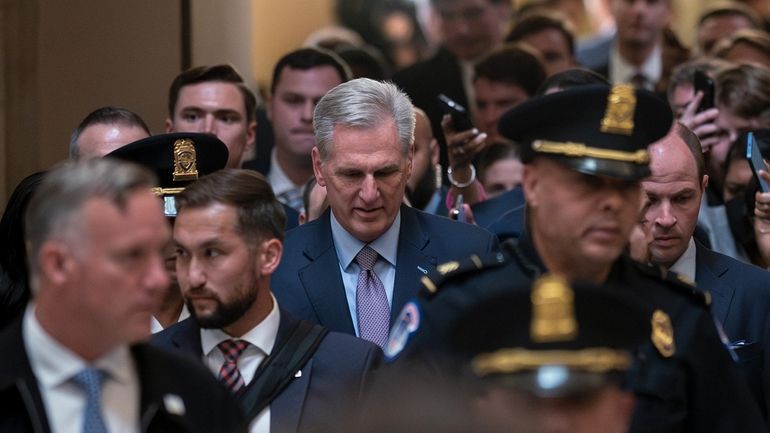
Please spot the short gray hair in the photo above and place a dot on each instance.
(363, 103)
(55, 209)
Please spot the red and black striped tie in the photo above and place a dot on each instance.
(229, 373)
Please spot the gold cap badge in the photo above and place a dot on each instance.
(663, 334)
(185, 160)
(553, 311)
(621, 104)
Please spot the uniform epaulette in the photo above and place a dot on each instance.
(435, 279)
(677, 281)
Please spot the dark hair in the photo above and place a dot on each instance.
(496, 151)
(685, 72)
(203, 74)
(14, 276)
(538, 22)
(105, 116)
(309, 58)
(728, 8)
(744, 91)
(365, 61)
(573, 77)
(260, 215)
(756, 39)
(513, 64)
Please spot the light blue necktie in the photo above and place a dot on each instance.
(90, 381)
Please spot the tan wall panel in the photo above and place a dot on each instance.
(96, 53)
(281, 26)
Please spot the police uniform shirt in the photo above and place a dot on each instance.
(691, 385)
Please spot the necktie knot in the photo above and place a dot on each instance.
(639, 80)
(372, 308)
(366, 258)
(232, 349)
(229, 373)
(90, 380)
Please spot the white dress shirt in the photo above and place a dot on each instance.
(156, 327)
(279, 180)
(685, 264)
(54, 366)
(621, 71)
(262, 338)
(347, 248)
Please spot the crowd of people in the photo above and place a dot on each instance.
(520, 230)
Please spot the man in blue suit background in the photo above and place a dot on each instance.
(740, 292)
(228, 236)
(364, 134)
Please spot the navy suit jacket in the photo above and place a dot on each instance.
(208, 406)
(308, 281)
(326, 395)
(741, 303)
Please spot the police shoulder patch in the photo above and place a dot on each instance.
(435, 279)
(407, 322)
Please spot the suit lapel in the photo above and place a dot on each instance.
(286, 408)
(187, 337)
(18, 385)
(412, 261)
(330, 303)
(708, 273)
(154, 416)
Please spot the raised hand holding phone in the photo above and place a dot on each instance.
(756, 162)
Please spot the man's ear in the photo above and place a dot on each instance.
(251, 135)
(56, 262)
(316, 155)
(270, 252)
(269, 108)
(704, 182)
(435, 156)
(409, 161)
(169, 125)
(530, 184)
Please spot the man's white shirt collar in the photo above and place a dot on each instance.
(621, 71)
(261, 336)
(277, 178)
(686, 263)
(348, 246)
(55, 364)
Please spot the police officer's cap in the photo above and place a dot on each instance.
(177, 159)
(555, 340)
(594, 129)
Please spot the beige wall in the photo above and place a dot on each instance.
(104, 53)
(281, 26)
(223, 35)
(253, 34)
(65, 58)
